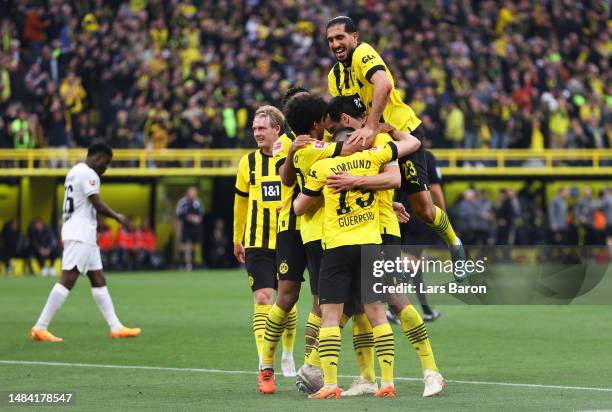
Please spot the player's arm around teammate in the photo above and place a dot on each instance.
(81, 253)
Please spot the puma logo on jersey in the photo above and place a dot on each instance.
(367, 58)
(387, 362)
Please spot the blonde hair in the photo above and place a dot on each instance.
(276, 116)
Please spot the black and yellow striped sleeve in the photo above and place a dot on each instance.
(241, 200)
(333, 80)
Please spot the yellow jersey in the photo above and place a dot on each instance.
(311, 224)
(258, 194)
(287, 220)
(352, 217)
(389, 224)
(354, 80)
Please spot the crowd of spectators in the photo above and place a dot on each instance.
(189, 73)
(526, 218)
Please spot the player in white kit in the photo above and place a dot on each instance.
(81, 253)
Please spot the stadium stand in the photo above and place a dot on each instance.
(190, 74)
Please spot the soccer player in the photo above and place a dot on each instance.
(306, 149)
(81, 253)
(189, 211)
(351, 219)
(290, 250)
(361, 73)
(258, 195)
(342, 112)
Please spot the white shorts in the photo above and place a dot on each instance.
(84, 256)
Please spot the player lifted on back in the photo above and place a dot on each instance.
(361, 73)
(81, 253)
(258, 196)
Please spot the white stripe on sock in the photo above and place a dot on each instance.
(105, 303)
(56, 299)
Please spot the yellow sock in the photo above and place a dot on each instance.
(415, 331)
(312, 331)
(363, 344)
(443, 227)
(260, 313)
(329, 348)
(314, 357)
(385, 352)
(275, 324)
(289, 333)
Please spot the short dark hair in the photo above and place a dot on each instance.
(341, 134)
(99, 146)
(349, 24)
(303, 111)
(343, 104)
(292, 91)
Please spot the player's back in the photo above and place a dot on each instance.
(350, 217)
(79, 213)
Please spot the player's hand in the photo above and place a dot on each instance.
(342, 182)
(121, 219)
(239, 252)
(361, 136)
(385, 128)
(400, 211)
(300, 141)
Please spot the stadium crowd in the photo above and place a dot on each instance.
(526, 218)
(190, 74)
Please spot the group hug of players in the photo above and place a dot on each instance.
(319, 188)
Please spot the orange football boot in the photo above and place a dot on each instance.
(265, 381)
(386, 392)
(326, 393)
(125, 333)
(44, 336)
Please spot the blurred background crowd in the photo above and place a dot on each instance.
(190, 74)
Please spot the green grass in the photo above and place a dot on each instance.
(203, 320)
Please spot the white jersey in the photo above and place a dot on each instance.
(79, 214)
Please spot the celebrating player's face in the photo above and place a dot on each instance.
(340, 42)
(264, 133)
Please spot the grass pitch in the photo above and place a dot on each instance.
(197, 351)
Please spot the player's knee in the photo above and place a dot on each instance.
(287, 300)
(316, 309)
(263, 296)
(376, 314)
(426, 212)
(68, 279)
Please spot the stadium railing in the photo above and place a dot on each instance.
(223, 162)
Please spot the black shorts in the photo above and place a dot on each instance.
(290, 256)
(191, 233)
(261, 268)
(341, 279)
(314, 255)
(416, 232)
(414, 170)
